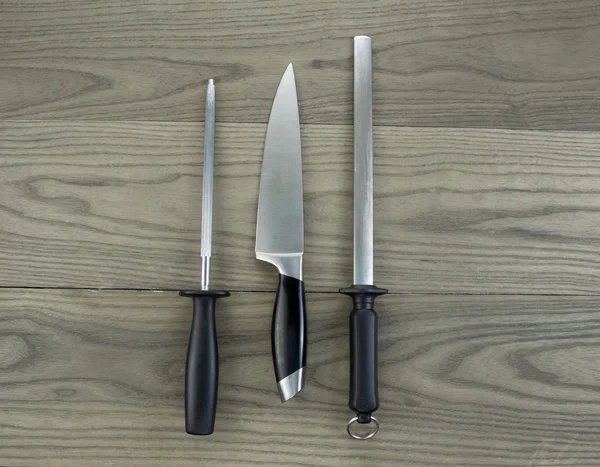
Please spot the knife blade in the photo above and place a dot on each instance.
(202, 364)
(364, 399)
(280, 235)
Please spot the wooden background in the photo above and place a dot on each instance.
(487, 229)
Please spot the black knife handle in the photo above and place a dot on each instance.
(363, 351)
(202, 366)
(288, 329)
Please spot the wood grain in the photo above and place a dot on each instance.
(447, 63)
(92, 378)
(456, 211)
(100, 188)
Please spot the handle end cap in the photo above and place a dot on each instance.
(291, 385)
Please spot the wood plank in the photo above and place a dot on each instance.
(448, 63)
(90, 378)
(456, 211)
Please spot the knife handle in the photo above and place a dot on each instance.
(288, 336)
(202, 366)
(364, 399)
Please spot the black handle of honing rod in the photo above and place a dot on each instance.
(202, 365)
(364, 399)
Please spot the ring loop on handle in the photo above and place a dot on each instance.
(370, 435)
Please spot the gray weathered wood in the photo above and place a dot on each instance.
(90, 200)
(476, 211)
(96, 378)
(473, 63)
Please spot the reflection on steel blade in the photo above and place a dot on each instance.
(280, 224)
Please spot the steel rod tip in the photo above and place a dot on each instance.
(211, 82)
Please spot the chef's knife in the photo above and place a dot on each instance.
(363, 319)
(280, 235)
(202, 366)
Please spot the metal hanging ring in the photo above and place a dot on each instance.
(370, 435)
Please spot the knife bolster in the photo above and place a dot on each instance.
(289, 264)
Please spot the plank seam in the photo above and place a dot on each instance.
(458, 294)
(324, 124)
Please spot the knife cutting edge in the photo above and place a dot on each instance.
(280, 235)
(202, 365)
(364, 399)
